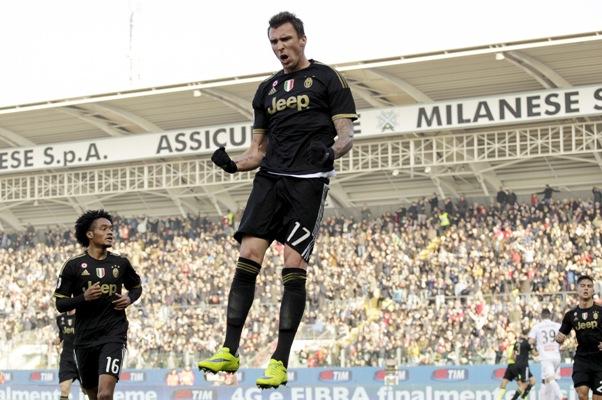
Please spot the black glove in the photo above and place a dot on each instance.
(223, 160)
(320, 154)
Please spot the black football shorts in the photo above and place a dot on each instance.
(587, 371)
(520, 372)
(67, 368)
(286, 209)
(102, 359)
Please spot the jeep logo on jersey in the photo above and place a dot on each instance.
(100, 272)
(299, 102)
(288, 85)
(105, 288)
(586, 325)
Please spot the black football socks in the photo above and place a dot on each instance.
(240, 300)
(291, 311)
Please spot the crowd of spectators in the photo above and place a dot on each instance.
(403, 285)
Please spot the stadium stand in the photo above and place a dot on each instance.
(394, 286)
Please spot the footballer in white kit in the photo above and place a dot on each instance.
(543, 335)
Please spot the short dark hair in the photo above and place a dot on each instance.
(583, 278)
(85, 221)
(546, 313)
(282, 18)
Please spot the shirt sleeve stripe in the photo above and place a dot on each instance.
(260, 131)
(72, 258)
(340, 116)
(343, 81)
(60, 296)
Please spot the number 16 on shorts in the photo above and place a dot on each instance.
(113, 366)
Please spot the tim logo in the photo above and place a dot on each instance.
(566, 372)
(450, 374)
(41, 376)
(335, 376)
(132, 376)
(498, 373)
(401, 375)
(187, 394)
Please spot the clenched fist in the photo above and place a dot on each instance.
(320, 154)
(223, 160)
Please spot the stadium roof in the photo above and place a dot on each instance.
(558, 62)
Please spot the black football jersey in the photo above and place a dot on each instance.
(296, 109)
(66, 325)
(96, 321)
(521, 351)
(587, 323)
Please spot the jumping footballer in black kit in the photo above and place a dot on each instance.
(518, 369)
(91, 283)
(298, 113)
(586, 320)
(67, 368)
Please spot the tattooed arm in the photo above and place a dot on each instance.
(344, 127)
(251, 158)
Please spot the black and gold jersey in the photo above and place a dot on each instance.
(66, 325)
(97, 321)
(587, 323)
(297, 108)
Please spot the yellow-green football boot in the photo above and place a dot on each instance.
(223, 360)
(274, 375)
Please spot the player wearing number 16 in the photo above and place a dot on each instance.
(91, 283)
(298, 113)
